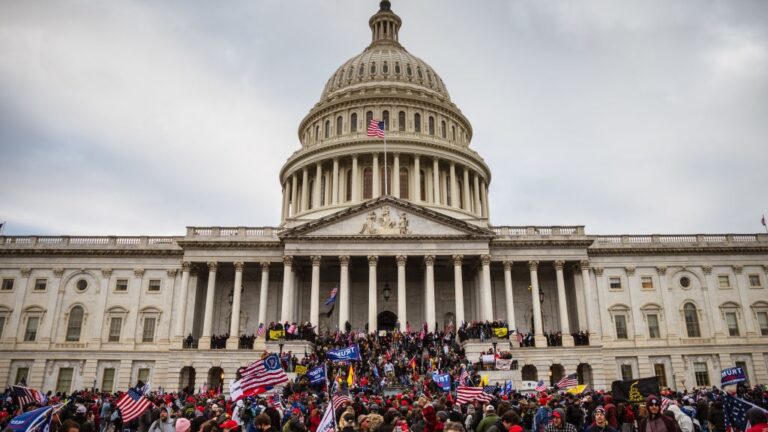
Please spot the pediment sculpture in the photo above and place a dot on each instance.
(385, 224)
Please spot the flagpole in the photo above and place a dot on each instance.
(386, 185)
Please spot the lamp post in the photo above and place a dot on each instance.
(387, 291)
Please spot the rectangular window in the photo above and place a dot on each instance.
(22, 374)
(653, 326)
(41, 284)
(154, 285)
(121, 285)
(701, 373)
(626, 372)
(64, 382)
(733, 323)
(108, 380)
(115, 325)
(621, 326)
(660, 371)
(754, 281)
(647, 282)
(614, 283)
(2, 325)
(724, 281)
(7, 285)
(762, 321)
(30, 334)
(148, 335)
(743, 366)
(144, 375)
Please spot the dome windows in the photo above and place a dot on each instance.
(361, 71)
(408, 70)
(327, 128)
(349, 73)
(401, 121)
(397, 68)
(442, 129)
(368, 118)
(385, 118)
(353, 123)
(373, 68)
(417, 122)
(431, 125)
(385, 68)
(418, 73)
(338, 125)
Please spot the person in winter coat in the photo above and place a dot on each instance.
(542, 417)
(656, 420)
(610, 412)
(163, 424)
(757, 418)
(682, 419)
(715, 417)
(509, 420)
(490, 419)
(558, 423)
(600, 424)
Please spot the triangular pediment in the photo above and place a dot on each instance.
(390, 218)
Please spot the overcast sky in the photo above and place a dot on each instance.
(143, 117)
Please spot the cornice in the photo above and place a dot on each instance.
(90, 252)
(230, 244)
(681, 250)
(539, 243)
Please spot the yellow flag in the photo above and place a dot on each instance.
(500, 332)
(276, 334)
(579, 389)
(483, 381)
(300, 370)
(351, 376)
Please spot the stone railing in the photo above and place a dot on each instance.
(90, 242)
(268, 233)
(539, 231)
(681, 239)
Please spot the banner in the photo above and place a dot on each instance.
(503, 364)
(276, 334)
(316, 375)
(442, 380)
(635, 391)
(500, 332)
(732, 375)
(488, 358)
(345, 354)
(30, 420)
(300, 370)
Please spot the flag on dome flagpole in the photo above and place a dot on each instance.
(568, 381)
(376, 129)
(762, 221)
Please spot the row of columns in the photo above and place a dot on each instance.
(292, 205)
(288, 294)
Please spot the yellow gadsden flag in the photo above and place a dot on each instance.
(351, 376)
(276, 334)
(500, 332)
(483, 381)
(579, 389)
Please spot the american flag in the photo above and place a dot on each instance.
(332, 296)
(26, 395)
(263, 373)
(465, 394)
(735, 413)
(665, 402)
(262, 330)
(568, 381)
(376, 128)
(132, 404)
(540, 386)
(339, 400)
(464, 378)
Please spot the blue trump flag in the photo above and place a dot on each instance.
(316, 375)
(442, 380)
(30, 421)
(345, 354)
(733, 375)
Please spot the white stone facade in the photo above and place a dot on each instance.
(680, 306)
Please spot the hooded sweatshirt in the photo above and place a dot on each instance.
(682, 419)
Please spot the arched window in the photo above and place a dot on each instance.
(353, 123)
(408, 70)
(442, 129)
(431, 125)
(373, 68)
(453, 133)
(691, 320)
(362, 69)
(367, 183)
(317, 133)
(417, 122)
(404, 183)
(418, 72)
(368, 118)
(388, 181)
(327, 128)
(75, 324)
(338, 125)
(385, 68)
(385, 118)
(349, 186)
(401, 121)
(422, 185)
(349, 75)
(397, 68)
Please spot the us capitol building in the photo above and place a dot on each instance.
(405, 239)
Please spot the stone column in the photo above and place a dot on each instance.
(401, 294)
(670, 310)
(538, 332)
(586, 282)
(467, 205)
(454, 186)
(605, 317)
(710, 286)
(376, 176)
(305, 189)
(478, 210)
(435, 181)
(294, 193)
(284, 207)
(565, 325)
(286, 307)
(314, 297)
(205, 340)
(429, 261)
(396, 176)
(181, 314)
(484, 193)
(372, 294)
(354, 186)
(508, 293)
(633, 289)
(264, 293)
(48, 321)
(335, 193)
(487, 301)
(458, 284)
(416, 179)
(343, 291)
(742, 285)
(234, 326)
(318, 184)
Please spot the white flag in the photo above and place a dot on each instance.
(328, 423)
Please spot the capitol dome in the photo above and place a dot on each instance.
(427, 159)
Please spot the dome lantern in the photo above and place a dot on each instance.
(385, 25)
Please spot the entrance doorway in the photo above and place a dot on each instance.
(386, 321)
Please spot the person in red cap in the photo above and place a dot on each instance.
(558, 423)
(228, 425)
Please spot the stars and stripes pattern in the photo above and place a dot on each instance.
(263, 373)
(332, 296)
(338, 400)
(464, 378)
(466, 394)
(665, 401)
(376, 128)
(540, 386)
(132, 404)
(261, 331)
(735, 413)
(26, 395)
(568, 381)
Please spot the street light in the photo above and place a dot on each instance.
(387, 291)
